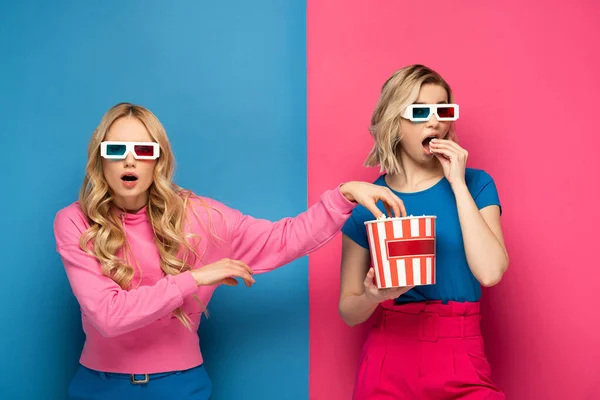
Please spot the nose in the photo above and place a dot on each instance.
(129, 160)
(433, 121)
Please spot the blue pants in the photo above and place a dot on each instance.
(192, 384)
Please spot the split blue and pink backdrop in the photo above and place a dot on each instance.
(267, 104)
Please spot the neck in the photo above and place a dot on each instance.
(415, 176)
(131, 204)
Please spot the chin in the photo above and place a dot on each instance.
(425, 158)
(129, 196)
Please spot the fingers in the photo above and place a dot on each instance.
(454, 146)
(243, 274)
(401, 209)
(373, 209)
(379, 295)
(450, 145)
(369, 279)
(445, 161)
(229, 282)
(445, 152)
(403, 289)
(386, 205)
(442, 144)
(247, 281)
(236, 268)
(393, 293)
(243, 265)
(392, 203)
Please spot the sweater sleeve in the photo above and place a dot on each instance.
(266, 245)
(112, 310)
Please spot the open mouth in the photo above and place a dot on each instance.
(129, 178)
(427, 142)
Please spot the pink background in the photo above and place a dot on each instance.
(526, 75)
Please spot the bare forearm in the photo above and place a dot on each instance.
(485, 254)
(356, 309)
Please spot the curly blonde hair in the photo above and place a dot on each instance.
(398, 92)
(166, 207)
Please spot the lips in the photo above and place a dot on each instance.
(427, 142)
(129, 177)
(428, 139)
(129, 180)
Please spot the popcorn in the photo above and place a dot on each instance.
(384, 217)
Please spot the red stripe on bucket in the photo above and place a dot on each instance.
(408, 248)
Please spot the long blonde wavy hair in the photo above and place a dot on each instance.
(166, 207)
(398, 92)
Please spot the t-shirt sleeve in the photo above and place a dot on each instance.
(355, 228)
(486, 192)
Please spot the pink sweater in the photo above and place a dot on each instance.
(135, 331)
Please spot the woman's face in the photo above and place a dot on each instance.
(416, 135)
(129, 179)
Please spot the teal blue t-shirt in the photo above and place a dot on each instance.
(454, 279)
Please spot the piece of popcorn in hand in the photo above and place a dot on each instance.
(381, 217)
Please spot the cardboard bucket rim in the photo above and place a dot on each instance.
(374, 221)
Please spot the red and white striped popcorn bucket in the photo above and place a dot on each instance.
(403, 250)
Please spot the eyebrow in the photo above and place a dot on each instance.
(439, 102)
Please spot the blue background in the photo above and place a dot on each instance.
(228, 81)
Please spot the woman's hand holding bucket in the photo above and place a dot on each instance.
(376, 295)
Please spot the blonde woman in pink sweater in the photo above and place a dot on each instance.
(144, 256)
